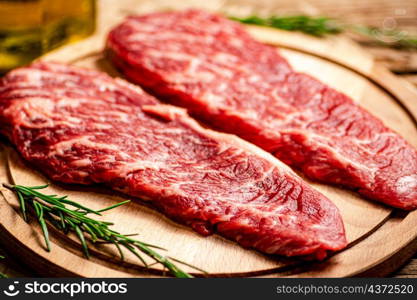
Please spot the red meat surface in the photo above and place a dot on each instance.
(212, 67)
(84, 127)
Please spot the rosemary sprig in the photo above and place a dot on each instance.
(322, 26)
(392, 38)
(69, 216)
(2, 275)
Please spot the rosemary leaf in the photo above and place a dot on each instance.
(61, 218)
(72, 203)
(82, 240)
(2, 275)
(163, 260)
(22, 206)
(90, 232)
(39, 187)
(323, 26)
(132, 249)
(317, 26)
(122, 256)
(186, 264)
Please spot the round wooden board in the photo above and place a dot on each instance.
(379, 238)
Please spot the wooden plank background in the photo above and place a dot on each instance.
(399, 15)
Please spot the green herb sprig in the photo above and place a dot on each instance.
(389, 38)
(323, 26)
(69, 216)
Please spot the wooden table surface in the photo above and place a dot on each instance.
(399, 14)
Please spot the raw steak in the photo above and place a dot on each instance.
(212, 67)
(81, 126)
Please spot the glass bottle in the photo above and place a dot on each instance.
(30, 28)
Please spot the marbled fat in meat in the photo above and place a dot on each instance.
(212, 67)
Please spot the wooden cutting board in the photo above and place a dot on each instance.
(380, 239)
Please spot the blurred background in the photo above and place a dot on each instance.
(387, 29)
(29, 28)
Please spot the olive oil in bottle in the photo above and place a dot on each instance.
(29, 28)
